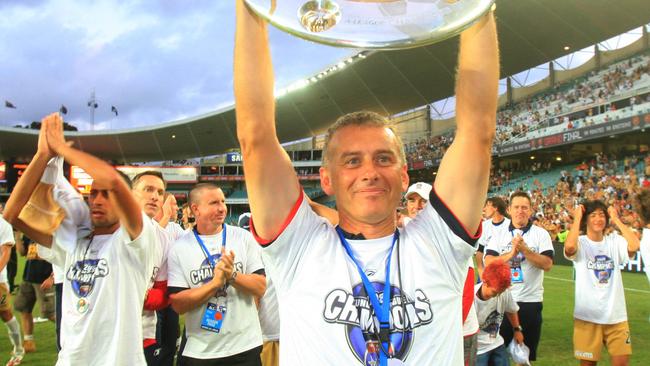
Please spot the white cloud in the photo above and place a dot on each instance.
(156, 62)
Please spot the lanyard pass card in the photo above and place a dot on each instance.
(213, 317)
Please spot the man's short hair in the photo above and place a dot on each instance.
(498, 203)
(520, 194)
(126, 178)
(643, 205)
(362, 118)
(590, 207)
(154, 173)
(195, 193)
(497, 275)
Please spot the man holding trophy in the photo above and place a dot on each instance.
(365, 292)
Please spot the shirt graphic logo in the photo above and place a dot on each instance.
(204, 273)
(602, 266)
(492, 324)
(362, 329)
(82, 275)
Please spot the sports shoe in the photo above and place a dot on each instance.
(16, 359)
(40, 319)
(29, 346)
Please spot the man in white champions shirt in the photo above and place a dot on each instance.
(599, 315)
(493, 300)
(107, 272)
(337, 318)
(642, 207)
(221, 325)
(529, 250)
(6, 243)
(494, 213)
(149, 190)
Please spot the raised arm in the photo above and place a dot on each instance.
(462, 179)
(571, 242)
(105, 177)
(271, 181)
(26, 185)
(633, 242)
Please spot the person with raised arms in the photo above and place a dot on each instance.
(340, 285)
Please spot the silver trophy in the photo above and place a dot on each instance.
(371, 24)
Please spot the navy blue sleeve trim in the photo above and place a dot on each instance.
(452, 221)
(260, 272)
(175, 290)
(492, 252)
(481, 248)
(548, 253)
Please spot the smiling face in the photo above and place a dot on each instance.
(365, 173)
(596, 222)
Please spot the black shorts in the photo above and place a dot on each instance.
(251, 357)
(530, 317)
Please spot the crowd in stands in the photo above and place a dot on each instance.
(596, 88)
(552, 107)
(428, 148)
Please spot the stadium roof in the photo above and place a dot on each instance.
(530, 33)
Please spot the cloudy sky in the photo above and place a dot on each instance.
(156, 61)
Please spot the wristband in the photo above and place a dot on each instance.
(232, 277)
(518, 328)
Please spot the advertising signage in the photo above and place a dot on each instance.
(233, 158)
(581, 134)
(181, 174)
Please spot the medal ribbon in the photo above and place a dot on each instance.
(381, 310)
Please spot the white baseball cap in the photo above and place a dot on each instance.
(421, 188)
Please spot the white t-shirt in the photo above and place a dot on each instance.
(175, 230)
(269, 313)
(6, 238)
(321, 299)
(189, 268)
(490, 316)
(100, 324)
(531, 289)
(645, 251)
(105, 282)
(160, 250)
(599, 287)
(490, 228)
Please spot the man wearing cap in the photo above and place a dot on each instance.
(417, 197)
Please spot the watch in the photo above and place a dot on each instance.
(518, 328)
(232, 277)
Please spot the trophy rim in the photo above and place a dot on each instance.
(398, 44)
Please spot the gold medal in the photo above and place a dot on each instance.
(82, 305)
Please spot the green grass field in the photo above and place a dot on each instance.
(555, 347)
